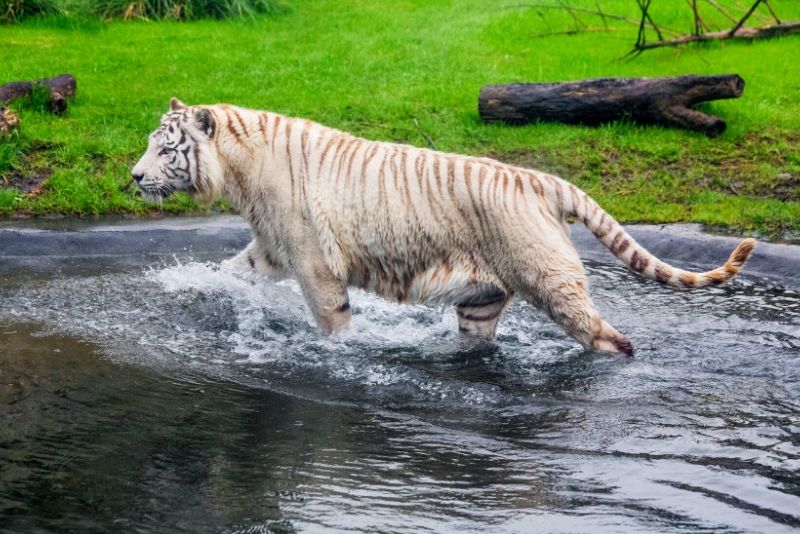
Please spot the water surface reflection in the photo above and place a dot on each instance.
(183, 399)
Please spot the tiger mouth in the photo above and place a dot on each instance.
(156, 194)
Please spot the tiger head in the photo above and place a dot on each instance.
(181, 155)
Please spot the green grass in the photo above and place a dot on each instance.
(373, 68)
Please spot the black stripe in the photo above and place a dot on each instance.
(481, 318)
(484, 295)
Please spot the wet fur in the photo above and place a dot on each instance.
(409, 224)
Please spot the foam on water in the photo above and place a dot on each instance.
(204, 316)
(201, 315)
(383, 346)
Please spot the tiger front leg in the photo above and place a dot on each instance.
(325, 294)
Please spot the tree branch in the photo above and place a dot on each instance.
(744, 19)
(787, 28)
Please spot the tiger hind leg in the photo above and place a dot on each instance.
(479, 313)
(562, 293)
(252, 258)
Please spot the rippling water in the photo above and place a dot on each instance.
(184, 399)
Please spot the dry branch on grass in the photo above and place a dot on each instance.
(702, 31)
(742, 33)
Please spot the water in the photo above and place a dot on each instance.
(181, 398)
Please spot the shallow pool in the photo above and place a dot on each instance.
(180, 398)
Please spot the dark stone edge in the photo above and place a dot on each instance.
(686, 246)
(147, 242)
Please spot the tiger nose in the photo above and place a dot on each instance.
(138, 177)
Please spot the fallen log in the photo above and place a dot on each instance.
(664, 101)
(59, 89)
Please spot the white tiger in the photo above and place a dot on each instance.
(410, 224)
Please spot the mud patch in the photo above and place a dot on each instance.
(28, 172)
(30, 183)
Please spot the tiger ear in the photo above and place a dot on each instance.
(176, 105)
(205, 121)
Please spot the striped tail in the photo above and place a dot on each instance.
(611, 234)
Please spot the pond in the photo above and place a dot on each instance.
(176, 397)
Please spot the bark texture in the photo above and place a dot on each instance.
(60, 88)
(664, 101)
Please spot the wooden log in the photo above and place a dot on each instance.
(60, 88)
(665, 101)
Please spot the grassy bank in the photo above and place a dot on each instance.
(378, 70)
